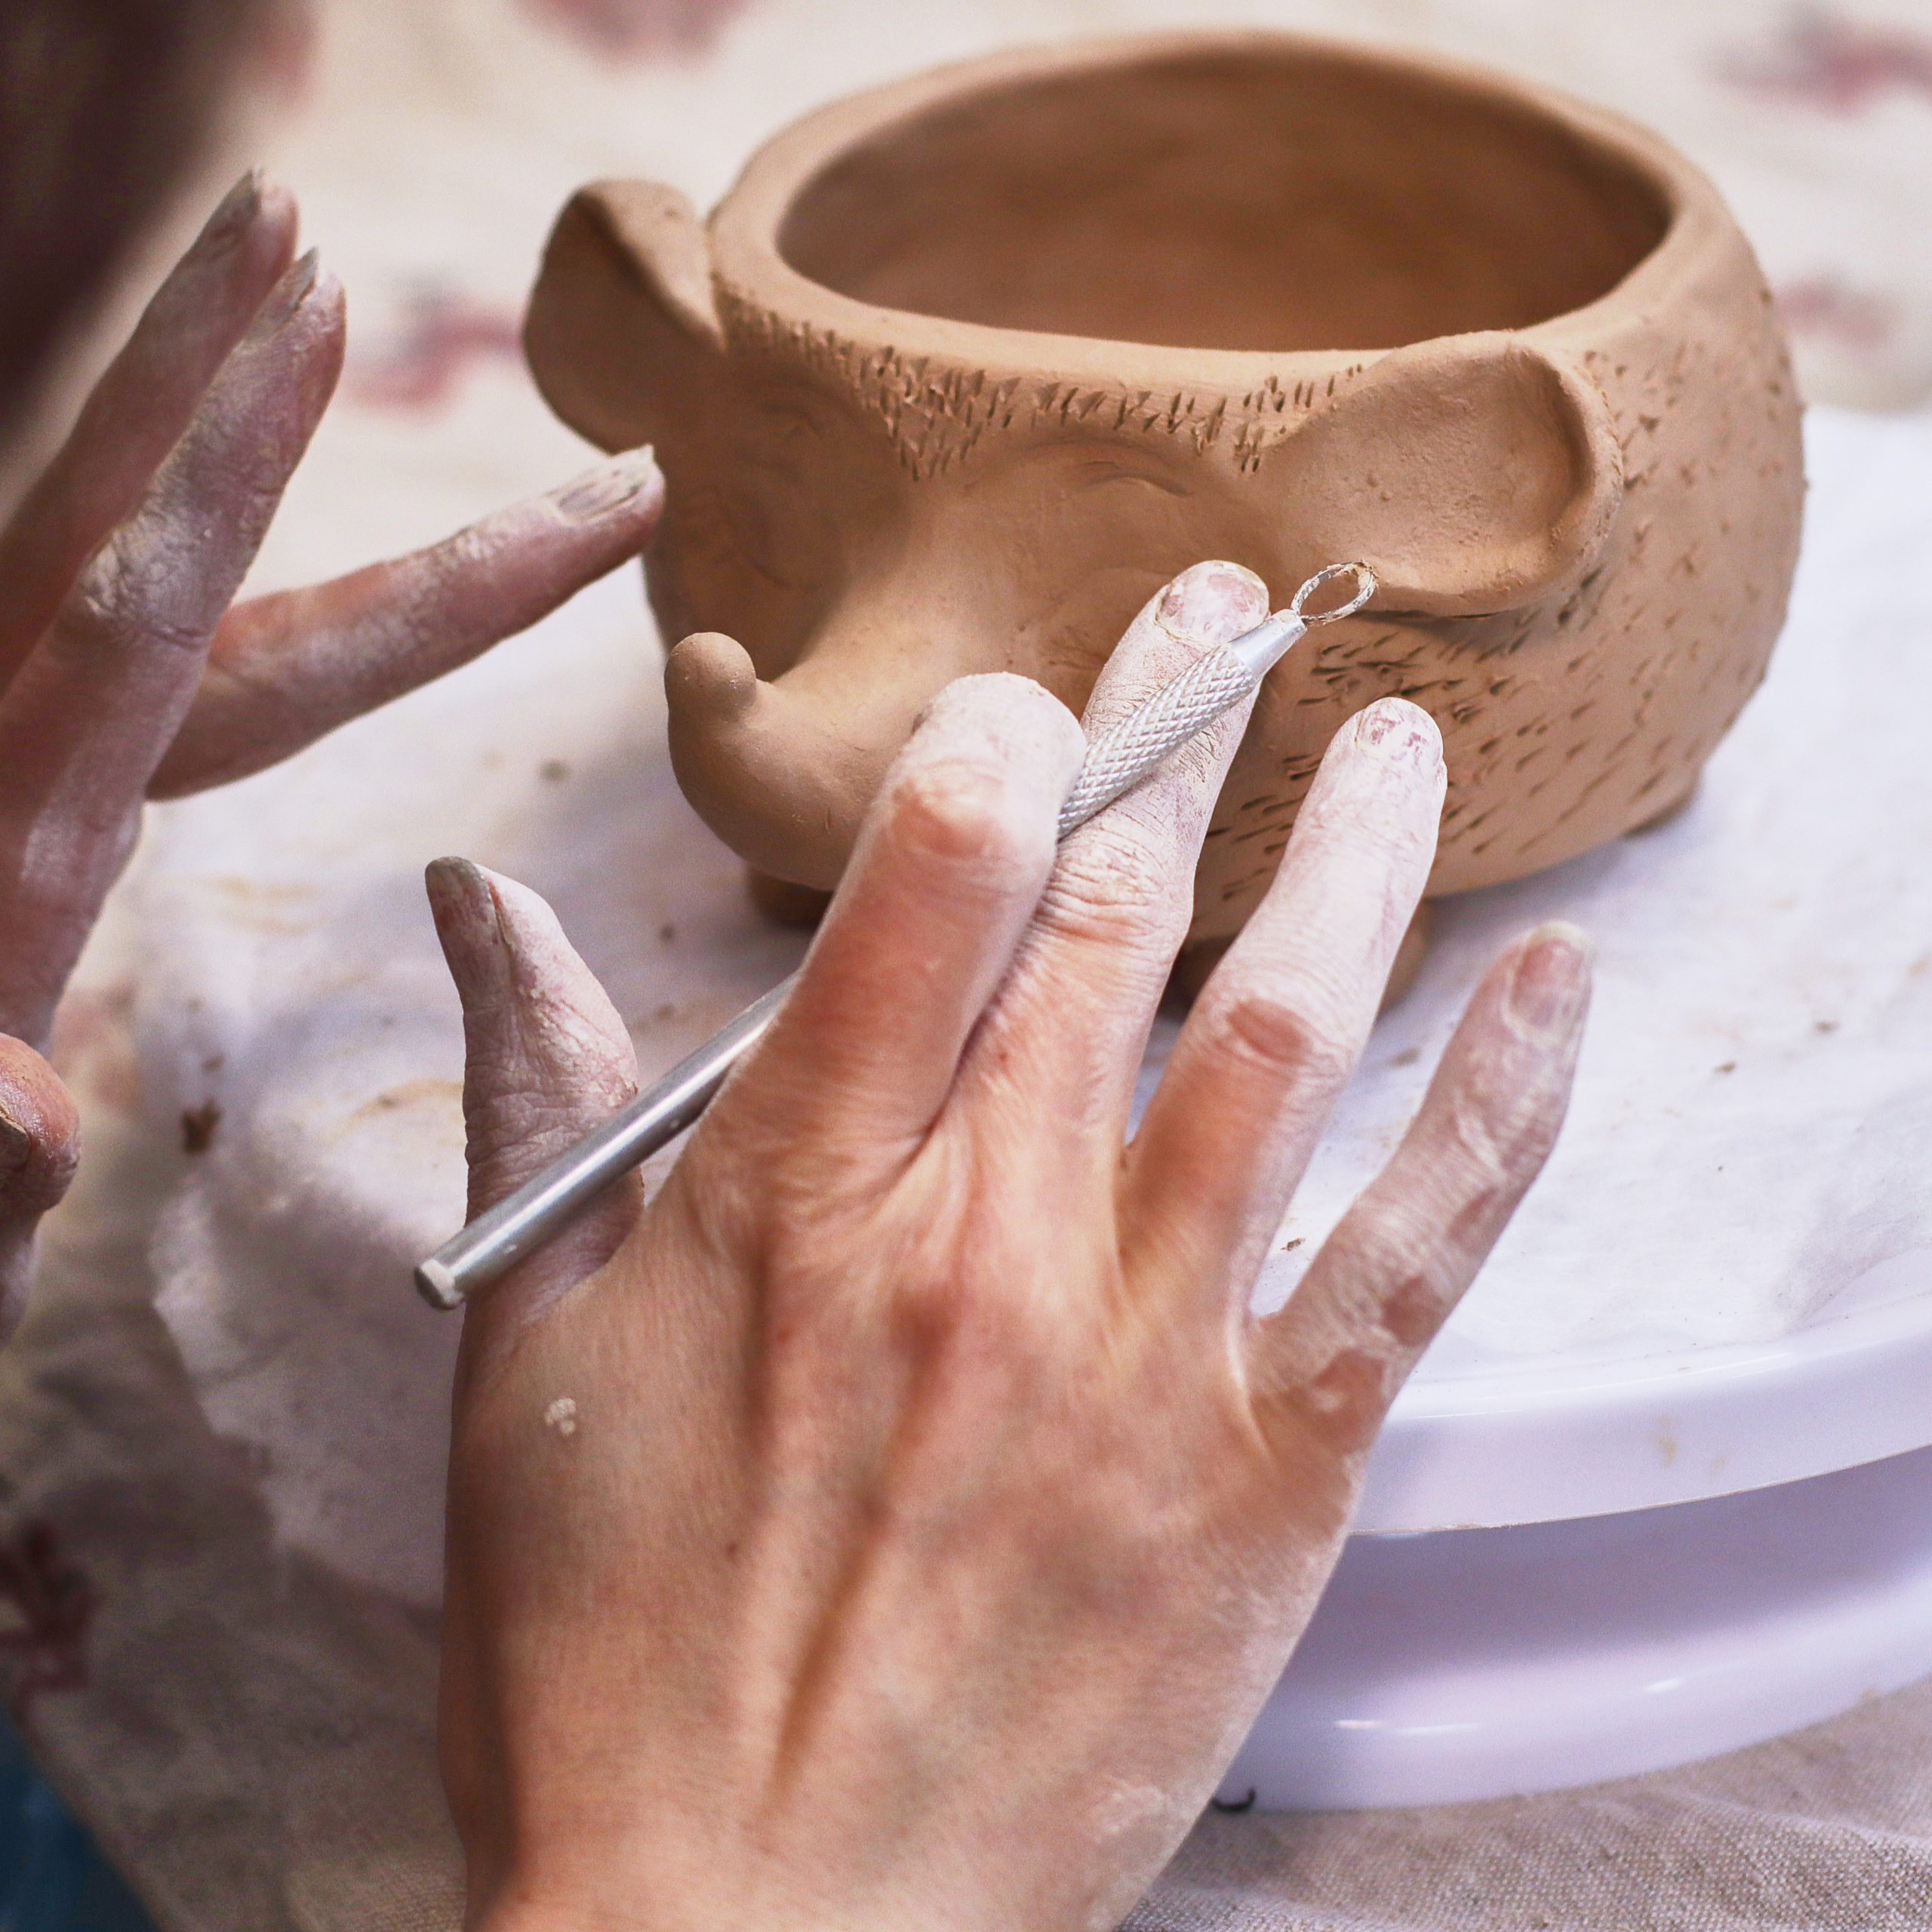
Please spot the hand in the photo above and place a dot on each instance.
(899, 1521)
(125, 674)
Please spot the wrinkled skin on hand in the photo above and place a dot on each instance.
(898, 1521)
(125, 674)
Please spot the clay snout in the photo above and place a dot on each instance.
(782, 772)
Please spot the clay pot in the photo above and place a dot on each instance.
(962, 369)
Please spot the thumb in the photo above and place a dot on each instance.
(40, 1141)
(546, 1058)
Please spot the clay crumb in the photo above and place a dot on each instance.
(562, 1416)
(1407, 1058)
(1729, 1066)
(553, 771)
(198, 1126)
(1826, 1025)
(1289, 1247)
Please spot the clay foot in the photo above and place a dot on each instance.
(1676, 809)
(1195, 962)
(798, 907)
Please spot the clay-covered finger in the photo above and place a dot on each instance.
(949, 867)
(39, 1146)
(1076, 1011)
(286, 669)
(85, 721)
(140, 408)
(546, 1057)
(1325, 1370)
(1275, 1033)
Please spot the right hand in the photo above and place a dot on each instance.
(898, 1522)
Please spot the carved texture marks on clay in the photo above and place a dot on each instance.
(935, 412)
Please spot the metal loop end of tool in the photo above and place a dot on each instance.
(1263, 647)
(1365, 579)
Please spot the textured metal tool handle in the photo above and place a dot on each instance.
(1119, 759)
(1115, 762)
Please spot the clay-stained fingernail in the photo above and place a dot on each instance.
(1394, 729)
(238, 208)
(476, 947)
(609, 487)
(458, 889)
(1213, 602)
(1550, 985)
(288, 294)
(16, 1143)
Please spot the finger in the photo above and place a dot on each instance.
(286, 669)
(1276, 1032)
(1071, 1020)
(546, 1059)
(1326, 1368)
(84, 724)
(140, 408)
(947, 869)
(40, 1136)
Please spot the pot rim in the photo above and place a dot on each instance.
(744, 226)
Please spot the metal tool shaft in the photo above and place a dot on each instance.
(1115, 762)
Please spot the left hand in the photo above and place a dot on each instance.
(125, 675)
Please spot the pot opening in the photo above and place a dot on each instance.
(1266, 201)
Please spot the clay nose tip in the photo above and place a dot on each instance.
(712, 676)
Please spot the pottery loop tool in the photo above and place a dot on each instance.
(1116, 761)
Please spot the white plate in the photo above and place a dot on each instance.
(1529, 1442)
(1481, 1664)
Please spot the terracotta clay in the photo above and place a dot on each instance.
(961, 369)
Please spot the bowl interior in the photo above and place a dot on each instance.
(1264, 200)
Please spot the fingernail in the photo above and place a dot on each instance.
(16, 1143)
(288, 294)
(458, 885)
(609, 486)
(239, 207)
(1212, 602)
(1550, 985)
(1394, 729)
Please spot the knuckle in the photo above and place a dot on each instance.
(1414, 1303)
(1500, 1157)
(1278, 1035)
(964, 816)
(1112, 886)
(122, 602)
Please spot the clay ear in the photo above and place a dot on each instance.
(1474, 473)
(622, 311)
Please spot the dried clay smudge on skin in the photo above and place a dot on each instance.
(1199, 607)
(562, 1416)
